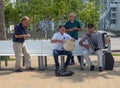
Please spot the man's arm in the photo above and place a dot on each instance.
(57, 40)
(73, 29)
(25, 36)
(84, 45)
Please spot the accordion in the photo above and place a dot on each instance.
(97, 41)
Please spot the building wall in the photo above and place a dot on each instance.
(110, 16)
(118, 18)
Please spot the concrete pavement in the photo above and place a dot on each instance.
(47, 78)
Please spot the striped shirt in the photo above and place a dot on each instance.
(96, 38)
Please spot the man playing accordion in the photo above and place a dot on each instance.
(94, 46)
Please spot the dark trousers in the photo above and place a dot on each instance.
(72, 59)
(56, 53)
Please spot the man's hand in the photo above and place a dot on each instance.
(26, 36)
(86, 46)
(73, 40)
(107, 40)
(61, 41)
(72, 29)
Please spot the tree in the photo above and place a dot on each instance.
(48, 9)
(2, 22)
(89, 14)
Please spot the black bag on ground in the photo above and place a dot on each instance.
(109, 61)
(64, 73)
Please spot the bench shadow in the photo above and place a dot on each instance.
(79, 75)
(6, 71)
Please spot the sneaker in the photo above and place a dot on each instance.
(30, 69)
(92, 68)
(18, 70)
(100, 69)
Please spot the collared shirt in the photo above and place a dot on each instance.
(58, 35)
(96, 37)
(19, 30)
(74, 33)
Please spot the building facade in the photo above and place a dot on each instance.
(110, 15)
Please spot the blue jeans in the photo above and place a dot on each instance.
(56, 53)
(72, 59)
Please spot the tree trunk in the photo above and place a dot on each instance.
(2, 27)
(2, 22)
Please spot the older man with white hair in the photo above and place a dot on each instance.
(19, 37)
(72, 28)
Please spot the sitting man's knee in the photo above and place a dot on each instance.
(55, 52)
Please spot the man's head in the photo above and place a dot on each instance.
(90, 28)
(25, 21)
(71, 16)
(61, 29)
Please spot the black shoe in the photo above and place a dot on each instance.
(65, 68)
(18, 70)
(72, 63)
(92, 68)
(83, 64)
(56, 70)
(30, 69)
(100, 69)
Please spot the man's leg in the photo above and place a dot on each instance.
(79, 59)
(87, 58)
(69, 55)
(27, 56)
(99, 54)
(72, 60)
(55, 54)
(18, 54)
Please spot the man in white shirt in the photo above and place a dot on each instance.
(59, 39)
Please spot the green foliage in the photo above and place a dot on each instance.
(48, 9)
(89, 14)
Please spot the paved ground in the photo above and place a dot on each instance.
(47, 78)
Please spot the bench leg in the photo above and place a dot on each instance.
(62, 61)
(0, 62)
(82, 63)
(41, 65)
(23, 61)
(45, 60)
(6, 61)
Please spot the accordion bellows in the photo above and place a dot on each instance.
(99, 38)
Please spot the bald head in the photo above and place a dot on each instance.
(72, 17)
(72, 14)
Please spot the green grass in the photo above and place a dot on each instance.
(10, 59)
(116, 54)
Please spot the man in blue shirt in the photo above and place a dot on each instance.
(19, 36)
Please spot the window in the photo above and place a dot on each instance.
(113, 15)
(113, 21)
(113, 9)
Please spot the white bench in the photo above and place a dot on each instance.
(40, 48)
